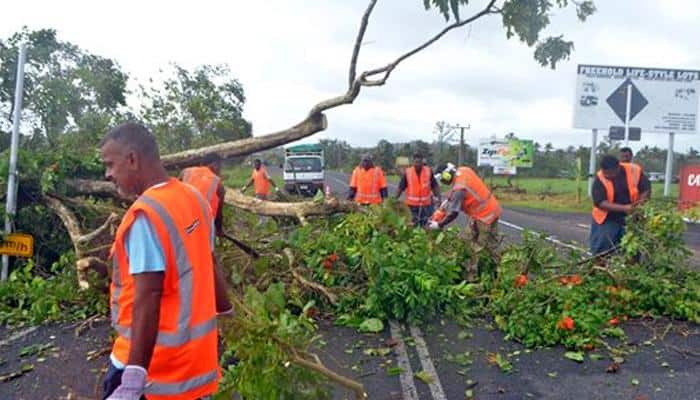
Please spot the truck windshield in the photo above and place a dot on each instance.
(303, 164)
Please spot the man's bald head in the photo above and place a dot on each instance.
(134, 137)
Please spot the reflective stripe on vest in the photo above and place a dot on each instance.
(157, 388)
(374, 195)
(184, 333)
(421, 195)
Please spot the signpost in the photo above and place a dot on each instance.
(11, 205)
(655, 100)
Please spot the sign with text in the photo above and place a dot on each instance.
(506, 153)
(661, 100)
(17, 244)
(689, 187)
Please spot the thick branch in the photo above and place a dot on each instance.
(314, 122)
(97, 188)
(89, 237)
(274, 209)
(387, 69)
(358, 42)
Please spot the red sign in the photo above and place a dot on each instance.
(689, 186)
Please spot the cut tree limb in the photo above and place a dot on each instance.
(299, 210)
(314, 122)
(79, 240)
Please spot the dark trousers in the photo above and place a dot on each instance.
(605, 236)
(421, 214)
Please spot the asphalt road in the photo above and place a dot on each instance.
(455, 357)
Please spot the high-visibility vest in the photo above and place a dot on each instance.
(261, 183)
(418, 191)
(480, 203)
(206, 181)
(184, 364)
(633, 173)
(368, 183)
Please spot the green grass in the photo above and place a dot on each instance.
(553, 194)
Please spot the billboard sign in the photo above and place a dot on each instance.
(506, 153)
(661, 100)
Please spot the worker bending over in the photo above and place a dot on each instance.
(617, 189)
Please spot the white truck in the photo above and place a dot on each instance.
(304, 169)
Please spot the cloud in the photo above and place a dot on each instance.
(290, 56)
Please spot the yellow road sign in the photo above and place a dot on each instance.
(17, 244)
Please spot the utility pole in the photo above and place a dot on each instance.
(460, 153)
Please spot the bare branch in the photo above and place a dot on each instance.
(299, 210)
(387, 69)
(353, 385)
(88, 237)
(314, 122)
(358, 42)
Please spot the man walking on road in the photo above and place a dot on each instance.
(367, 184)
(205, 178)
(617, 189)
(260, 180)
(422, 190)
(164, 293)
(470, 195)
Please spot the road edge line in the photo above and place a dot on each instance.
(427, 363)
(408, 387)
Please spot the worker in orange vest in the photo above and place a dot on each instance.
(164, 291)
(205, 178)
(470, 195)
(367, 184)
(617, 189)
(422, 190)
(260, 180)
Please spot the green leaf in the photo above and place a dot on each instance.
(574, 355)
(635, 382)
(552, 374)
(371, 325)
(424, 377)
(394, 371)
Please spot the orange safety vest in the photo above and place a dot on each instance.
(260, 181)
(634, 173)
(480, 204)
(368, 184)
(184, 365)
(418, 191)
(206, 181)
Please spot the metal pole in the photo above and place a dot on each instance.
(461, 147)
(591, 163)
(669, 165)
(627, 115)
(11, 205)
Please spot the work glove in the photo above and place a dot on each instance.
(277, 190)
(132, 386)
(433, 226)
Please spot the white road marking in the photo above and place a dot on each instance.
(548, 238)
(408, 386)
(427, 363)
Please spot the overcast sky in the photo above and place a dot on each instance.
(290, 54)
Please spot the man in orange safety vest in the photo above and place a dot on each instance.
(422, 190)
(164, 291)
(367, 184)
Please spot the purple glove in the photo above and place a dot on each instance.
(132, 386)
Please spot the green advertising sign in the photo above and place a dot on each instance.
(521, 153)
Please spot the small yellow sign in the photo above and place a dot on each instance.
(17, 244)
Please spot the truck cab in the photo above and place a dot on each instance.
(304, 169)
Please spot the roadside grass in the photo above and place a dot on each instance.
(553, 194)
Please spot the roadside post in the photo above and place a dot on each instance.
(11, 204)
